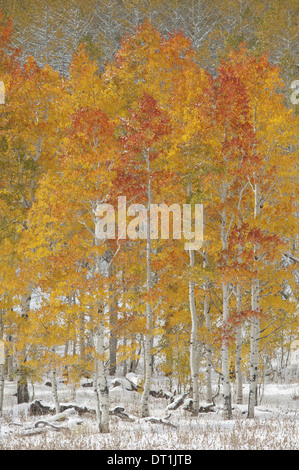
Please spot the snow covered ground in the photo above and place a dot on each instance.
(275, 426)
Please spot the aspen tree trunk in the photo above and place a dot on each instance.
(134, 362)
(254, 345)
(255, 324)
(66, 349)
(10, 364)
(95, 389)
(112, 347)
(101, 379)
(100, 373)
(81, 337)
(22, 384)
(89, 340)
(194, 346)
(1, 387)
(194, 341)
(1, 365)
(226, 389)
(209, 392)
(22, 387)
(124, 362)
(206, 311)
(112, 324)
(149, 316)
(239, 377)
(147, 344)
(54, 390)
(74, 351)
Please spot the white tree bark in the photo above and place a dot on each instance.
(209, 392)
(254, 345)
(101, 379)
(102, 401)
(112, 324)
(149, 316)
(1, 387)
(255, 323)
(194, 341)
(226, 388)
(239, 377)
(54, 390)
(10, 364)
(96, 393)
(2, 357)
(82, 336)
(206, 311)
(22, 384)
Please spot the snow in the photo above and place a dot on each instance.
(275, 425)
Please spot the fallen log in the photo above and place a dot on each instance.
(29, 432)
(69, 417)
(47, 423)
(154, 420)
(87, 384)
(120, 413)
(38, 408)
(188, 405)
(203, 407)
(206, 408)
(64, 415)
(177, 402)
(133, 379)
(80, 409)
(157, 392)
(125, 383)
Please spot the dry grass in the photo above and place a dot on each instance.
(193, 434)
(274, 428)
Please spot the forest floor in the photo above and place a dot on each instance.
(275, 426)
